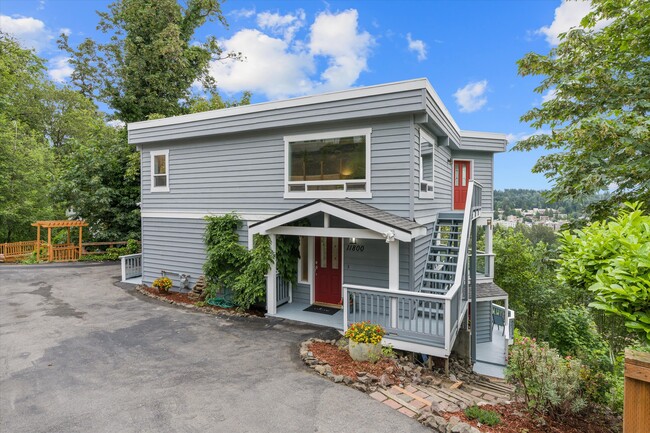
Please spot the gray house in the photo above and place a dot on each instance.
(392, 189)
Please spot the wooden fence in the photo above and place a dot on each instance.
(636, 411)
(15, 251)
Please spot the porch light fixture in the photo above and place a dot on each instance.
(353, 241)
(389, 235)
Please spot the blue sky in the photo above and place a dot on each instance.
(467, 49)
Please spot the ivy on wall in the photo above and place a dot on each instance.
(229, 266)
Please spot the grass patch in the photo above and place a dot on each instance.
(483, 416)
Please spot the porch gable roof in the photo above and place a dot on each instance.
(358, 213)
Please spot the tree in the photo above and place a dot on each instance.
(609, 261)
(152, 60)
(598, 117)
(525, 272)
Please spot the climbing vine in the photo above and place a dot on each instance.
(230, 267)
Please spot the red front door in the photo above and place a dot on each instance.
(328, 271)
(462, 176)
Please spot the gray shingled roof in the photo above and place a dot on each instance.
(373, 213)
(489, 290)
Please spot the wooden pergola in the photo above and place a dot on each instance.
(66, 251)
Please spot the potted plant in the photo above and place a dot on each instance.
(365, 341)
(163, 284)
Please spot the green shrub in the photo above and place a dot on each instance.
(487, 417)
(549, 383)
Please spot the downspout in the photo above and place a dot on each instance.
(412, 202)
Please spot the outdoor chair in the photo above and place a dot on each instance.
(497, 319)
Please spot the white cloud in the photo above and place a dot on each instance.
(243, 13)
(550, 95)
(568, 16)
(60, 69)
(30, 32)
(118, 124)
(286, 66)
(471, 97)
(66, 31)
(270, 67)
(336, 36)
(515, 137)
(286, 25)
(417, 46)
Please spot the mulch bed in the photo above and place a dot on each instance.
(184, 299)
(515, 419)
(342, 364)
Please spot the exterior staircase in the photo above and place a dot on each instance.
(442, 259)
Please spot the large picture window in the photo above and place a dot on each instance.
(329, 164)
(427, 163)
(159, 170)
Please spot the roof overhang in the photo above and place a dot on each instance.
(387, 230)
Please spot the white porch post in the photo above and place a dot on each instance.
(489, 259)
(507, 320)
(271, 289)
(393, 278)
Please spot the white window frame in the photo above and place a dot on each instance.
(152, 156)
(428, 185)
(344, 193)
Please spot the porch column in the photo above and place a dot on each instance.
(393, 278)
(507, 320)
(271, 289)
(489, 231)
(38, 243)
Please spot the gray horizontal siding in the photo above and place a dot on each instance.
(441, 119)
(245, 173)
(370, 266)
(483, 144)
(427, 208)
(483, 322)
(483, 173)
(364, 107)
(176, 245)
(301, 293)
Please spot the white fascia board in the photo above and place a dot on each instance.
(345, 215)
(201, 215)
(326, 232)
(341, 95)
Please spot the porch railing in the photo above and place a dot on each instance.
(131, 266)
(485, 264)
(509, 320)
(410, 316)
(283, 290)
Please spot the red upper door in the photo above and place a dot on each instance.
(328, 285)
(462, 176)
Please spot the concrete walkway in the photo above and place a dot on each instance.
(79, 354)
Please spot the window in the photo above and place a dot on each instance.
(427, 161)
(335, 164)
(303, 263)
(159, 170)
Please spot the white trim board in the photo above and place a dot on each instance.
(201, 215)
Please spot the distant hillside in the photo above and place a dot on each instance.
(510, 199)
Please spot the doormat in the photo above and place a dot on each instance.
(322, 310)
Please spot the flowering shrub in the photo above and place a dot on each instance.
(365, 332)
(163, 284)
(549, 383)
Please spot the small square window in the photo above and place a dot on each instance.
(160, 171)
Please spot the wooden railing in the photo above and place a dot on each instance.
(14, 251)
(283, 290)
(131, 266)
(410, 316)
(636, 400)
(65, 253)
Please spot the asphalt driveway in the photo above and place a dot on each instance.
(79, 353)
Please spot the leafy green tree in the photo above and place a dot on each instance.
(98, 187)
(525, 272)
(610, 262)
(152, 59)
(599, 115)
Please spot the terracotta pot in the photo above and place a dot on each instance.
(364, 351)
